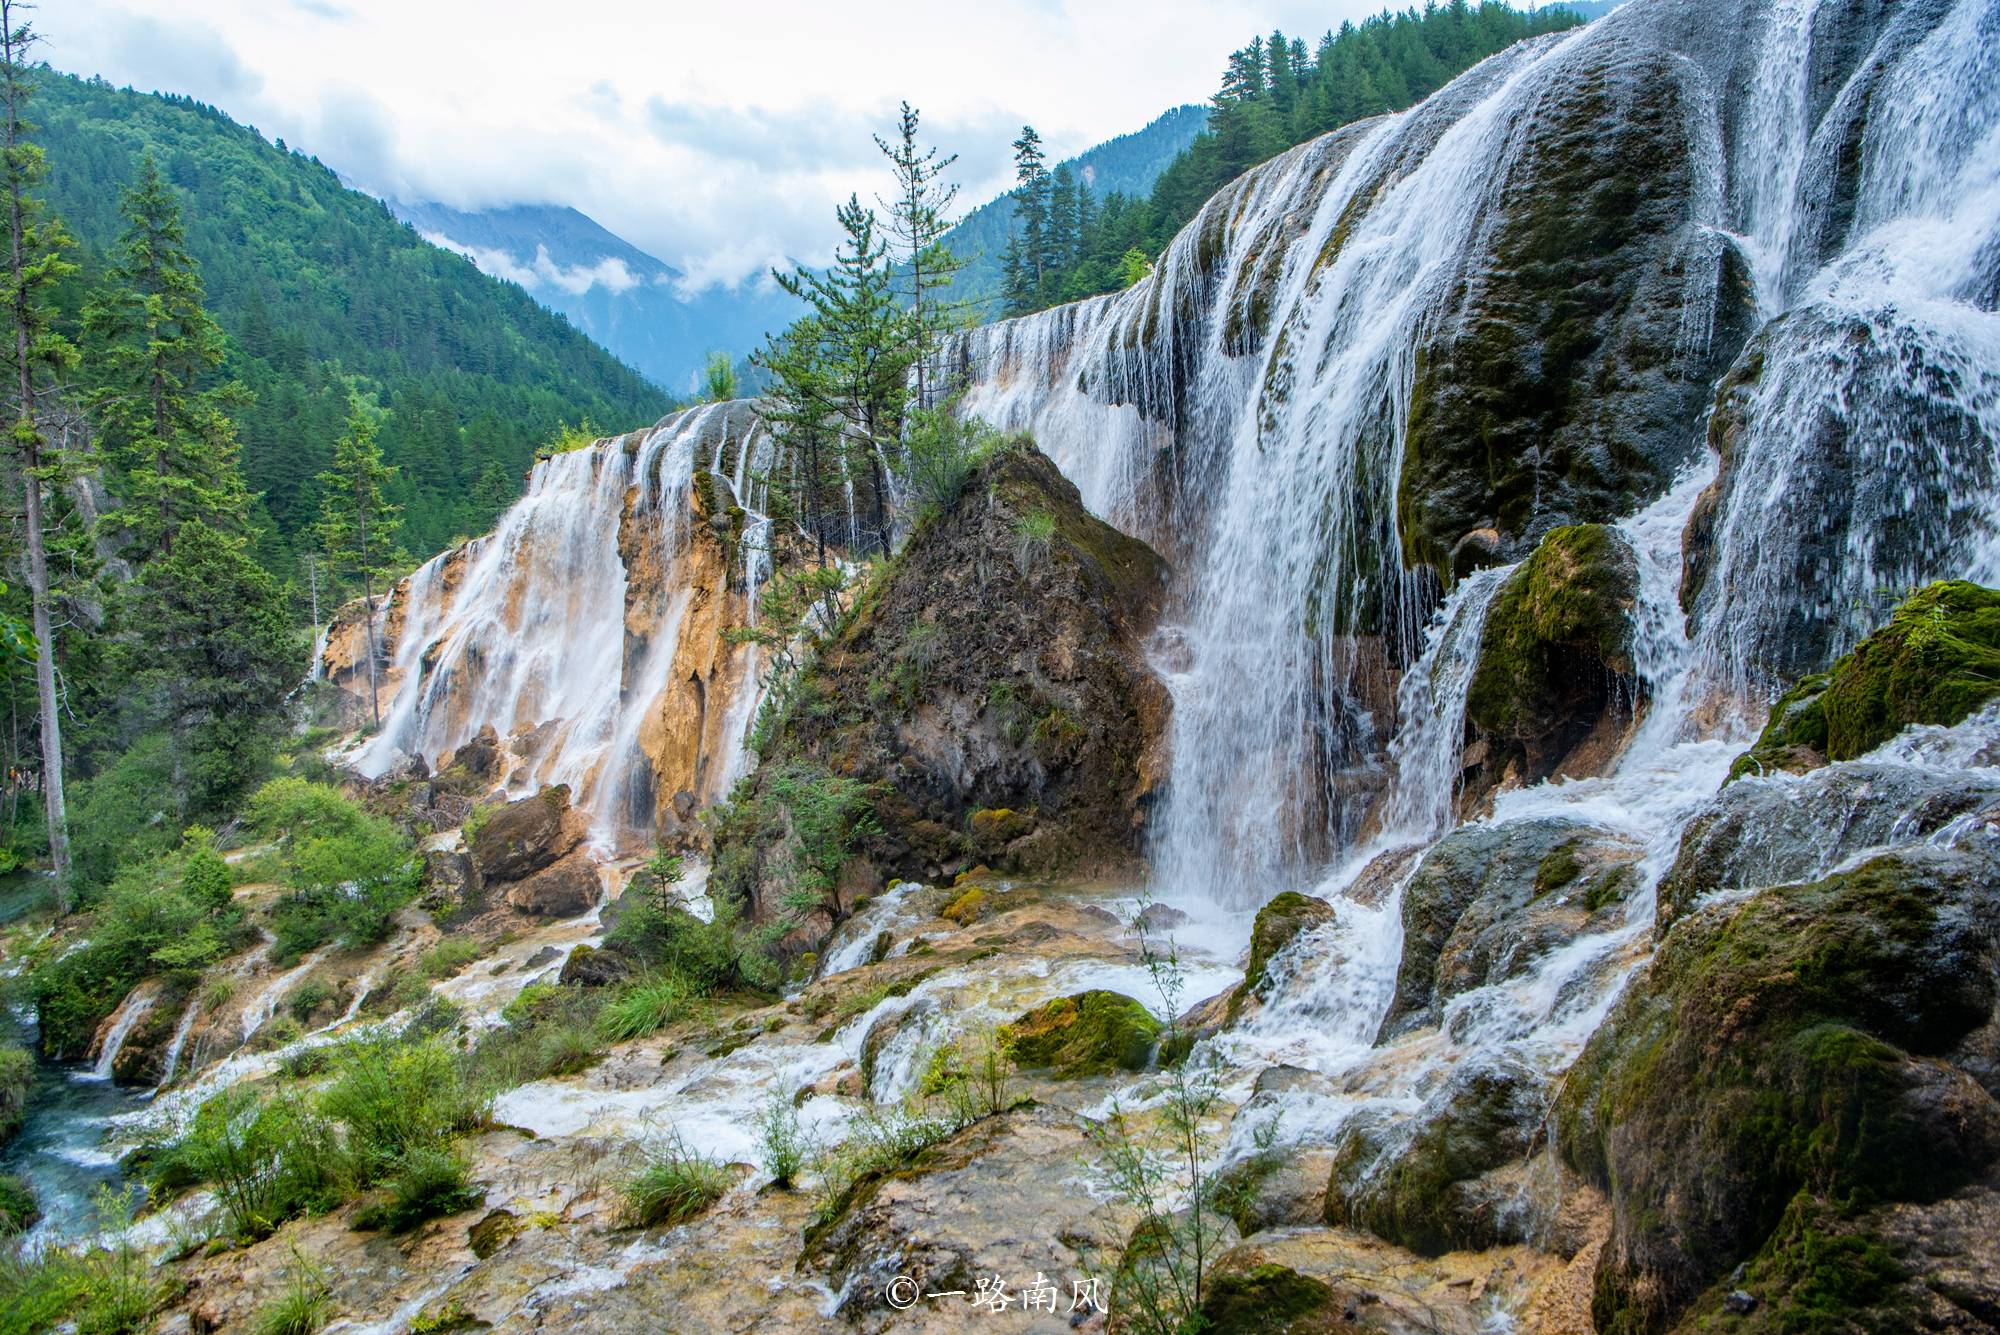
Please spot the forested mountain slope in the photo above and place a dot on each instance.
(320, 287)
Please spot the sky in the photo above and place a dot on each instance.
(718, 136)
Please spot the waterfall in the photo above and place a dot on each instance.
(562, 628)
(132, 1010)
(179, 1041)
(1249, 407)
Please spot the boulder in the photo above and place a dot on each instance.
(563, 889)
(1554, 682)
(1936, 661)
(1278, 924)
(523, 837)
(1786, 1053)
(591, 966)
(1088, 1034)
(972, 709)
(1488, 900)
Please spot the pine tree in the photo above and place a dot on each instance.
(35, 265)
(1031, 211)
(152, 347)
(919, 217)
(357, 525)
(865, 353)
(798, 407)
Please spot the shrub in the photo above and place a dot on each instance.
(674, 1184)
(17, 1082)
(549, 1031)
(303, 1307)
(18, 1211)
(268, 1159)
(448, 956)
(940, 451)
(644, 1005)
(783, 1145)
(426, 1184)
(396, 1098)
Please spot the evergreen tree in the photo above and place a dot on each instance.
(35, 265)
(152, 350)
(357, 525)
(1027, 261)
(864, 355)
(718, 378)
(214, 654)
(919, 217)
(798, 406)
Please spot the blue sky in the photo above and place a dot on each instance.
(718, 136)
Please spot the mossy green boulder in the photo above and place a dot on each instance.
(1804, 1040)
(1088, 1034)
(1936, 662)
(1556, 653)
(1278, 924)
(1269, 1300)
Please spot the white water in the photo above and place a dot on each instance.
(134, 1009)
(532, 630)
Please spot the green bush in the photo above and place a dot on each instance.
(18, 1210)
(159, 916)
(268, 1159)
(783, 1146)
(396, 1098)
(17, 1082)
(549, 1031)
(675, 1184)
(448, 956)
(303, 1307)
(426, 1184)
(349, 868)
(646, 1004)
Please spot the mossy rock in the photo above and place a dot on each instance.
(993, 828)
(966, 908)
(1088, 1034)
(1269, 1300)
(1794, 1040)
(1278, 924)
(1556, 652)
(1936, 662)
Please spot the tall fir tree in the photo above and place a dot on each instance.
(357, 525)
(1026, 261)
(154, 353)
(864, 347)
(36, 243)
(919, 217)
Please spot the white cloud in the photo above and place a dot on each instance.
(719, 138)
(541, 272)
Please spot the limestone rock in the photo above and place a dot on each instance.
(564, 889)
(1087, 1034)
(525, 836)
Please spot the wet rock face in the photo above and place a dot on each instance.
(1758, 833)
(1489, 900)
(991, 692)
(1555, 682)
(959, 1211)
(1936, 662)
(563, 889)
(1794, 1051)
(523, 837)
(1562, 388)
(1425, 1185)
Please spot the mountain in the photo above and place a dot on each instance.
(319, 287)
(624, 298)
(1126, 165)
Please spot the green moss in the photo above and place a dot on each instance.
(1794, 738)
(1770, 1051)
(1269, 1300)
(1563, 612)
(965, 909)
(1558, 869)
(1088, 1034)
(1278, 923)
(1936, 661)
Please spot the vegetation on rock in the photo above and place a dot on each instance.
(1083, 1035)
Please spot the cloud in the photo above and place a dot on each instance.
(322, 9)
(189, 57)
(612, 273)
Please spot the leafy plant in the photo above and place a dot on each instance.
(427, 1183)
(674, 1184)
(784, 1147)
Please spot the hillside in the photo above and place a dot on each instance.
(621, 296)
(1127, 165)
(318, 285)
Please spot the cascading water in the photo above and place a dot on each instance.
(561, 630)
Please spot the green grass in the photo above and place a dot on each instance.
(674, 1184)
(646, 1004)
(448, 956)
